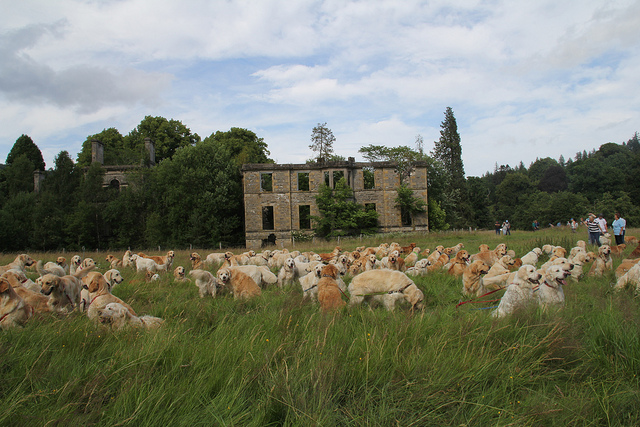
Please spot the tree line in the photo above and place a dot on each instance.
(194, 195)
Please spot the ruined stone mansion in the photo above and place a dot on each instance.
(278, 199)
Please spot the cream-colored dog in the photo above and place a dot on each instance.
(520, 292)
(117, 316)
(603, 261)
(385, 286)
(14, 311)
(205, 281)
(472, 278)
(64, 292)
(550, 292)
(100, 295)
(243, 285)
(19, 263)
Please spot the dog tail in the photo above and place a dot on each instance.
(79, 274)
(40, 268)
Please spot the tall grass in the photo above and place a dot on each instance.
(277, 360)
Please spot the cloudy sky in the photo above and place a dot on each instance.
(525, 79)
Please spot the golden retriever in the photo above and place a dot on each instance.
(205, 281)
(113, 278)
(76, 261)
(117, 316)
(472, 283)
(196, 261)
(309, 282)
(99, 295)
(488, 256)
(411, 259)
(618, 249)
(179, 274)
(502, 266)
(603, 261)
(385, 286)
(532, 256)
(459, 263)
(550, 292)
(329, 294)
(243, 285)
(50, 267)
(19, 263)
(630, 278)
(326, 257)
(288, 273)
(14, 311)
(34, 298)
(520, 292)
(165, 260)
(113, 261)
(64, 292)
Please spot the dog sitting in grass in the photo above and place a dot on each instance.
(329, 294)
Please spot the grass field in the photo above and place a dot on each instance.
(276, 360)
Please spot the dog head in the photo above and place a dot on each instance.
(87, 263)
(507, 261)
(94, 282)
(113, 314)
(26, 260)
(556, 275)
(224, 274)
(61, 261)
(171, 254)
(559, 251)
(463, 255)
(501, 249)
(330, 270)
(414, 296)
(528, 275)
(604, 251)
(479, 267)
(113, 277)
(5, 286)
(76, 260)
(195, 257)
(290, 263)
(483, 248)
(48, 283)
(179, 272)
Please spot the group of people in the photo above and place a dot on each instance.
(504, 228)
(597, 226)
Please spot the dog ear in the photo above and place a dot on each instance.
(4, 285)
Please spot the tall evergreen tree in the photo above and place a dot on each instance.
(448, 151)
(25, 146)
(322, 140)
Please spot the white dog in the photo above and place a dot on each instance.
(520, 292)
(288, 273)
(532, 256)
(551, 292)
(205, 281)
(309, 282)
(385, 286)
(144, 264)
(118, 317)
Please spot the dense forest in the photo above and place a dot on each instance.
(193, 196)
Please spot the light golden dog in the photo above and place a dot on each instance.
(618, 249)
(502, 266)
(288, 273)
(309, 282)
(472, 283)
(179, 274)
(326, 257)
(532, 256)
(196, 261)
(385, 286)
(205, 281)
(520, 292)
(459, 263)
(411, 259)
(630, 278)
(64, 292)
(243, 285)
(75, 263)
(113, 261)
(166, 260)
(19, 263)
(550, 292)
(14, 311)
(35, 299)
(99, 295)
(113, 278)
(603, 261)
(329, 294)
(117, 316)
(491, 256)
(625, 266)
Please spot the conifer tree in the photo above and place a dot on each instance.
(322, 140)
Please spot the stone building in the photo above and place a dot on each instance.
(279, 198)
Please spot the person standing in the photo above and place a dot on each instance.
(497, 226)
(593, 229)
(574, 225)
(602, 223)
(619, 225)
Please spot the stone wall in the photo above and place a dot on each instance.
(286, 196)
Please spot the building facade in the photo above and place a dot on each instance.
(278, 199)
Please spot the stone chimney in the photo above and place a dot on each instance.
(151, 150)
(97, 152)
(38, 177)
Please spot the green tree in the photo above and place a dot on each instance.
(448, 151)
(18, 176)
(167, 135)
(553, 180)
(24, 146)
(340, 215)
(409, 205)
(322, 140)
(243, 145)
(115, 150)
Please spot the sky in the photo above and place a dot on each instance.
(525, 79)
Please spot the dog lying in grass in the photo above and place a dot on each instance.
(118, 317)
(385, 286)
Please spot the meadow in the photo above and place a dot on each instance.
(277, 360)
